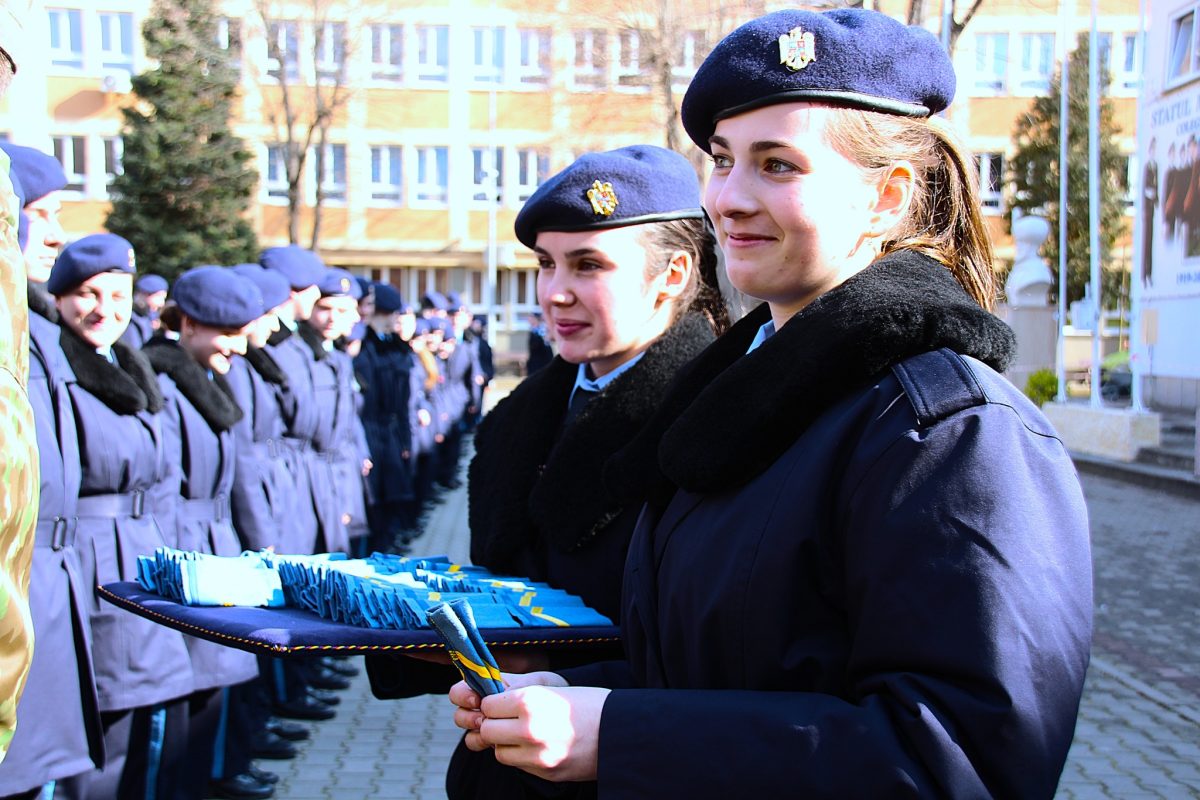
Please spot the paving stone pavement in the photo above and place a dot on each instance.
(1138, 734)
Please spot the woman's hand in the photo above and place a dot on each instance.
(538, 724)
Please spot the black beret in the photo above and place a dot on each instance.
(218, 297)
(39, 173)
(845, 57)
(272, 285)
(387, 299)
(303, 268)
(339, 283)
(89, 256)
(629, 186)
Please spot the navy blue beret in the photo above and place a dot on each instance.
(303, 268)
(387, 299)
(273, 287)
(435, 300)
(39, 173)
(91, 255)
(217, 297)
(423, 327)
(628, 186)
(339, 283)
(845, 57)
(151, 283)
(364, 284)
(455, 301)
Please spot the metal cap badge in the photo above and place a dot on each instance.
(603, 198)
(797, 49)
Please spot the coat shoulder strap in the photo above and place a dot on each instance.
(938, 384)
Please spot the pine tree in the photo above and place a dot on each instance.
(186, 185)
(1034, 170)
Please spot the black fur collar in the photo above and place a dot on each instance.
(525, 478)
(308, 335)
(40, 301)
(730, 414)
(265, 366)
(282, 335)
(126, 389)
(212, 398)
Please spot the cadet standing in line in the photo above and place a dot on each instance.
(864, 569)
(143, 672)
(149, 295)
(216, 307)
(61, 735)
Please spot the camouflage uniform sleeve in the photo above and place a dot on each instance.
(19, 480)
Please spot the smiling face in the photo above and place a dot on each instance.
(98, 309)
(213, 348)
(46, 236)
(599, 306)
(794, 216)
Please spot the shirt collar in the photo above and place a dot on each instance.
(765, 331)
(582, 381)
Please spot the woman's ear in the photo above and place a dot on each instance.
(674, 279)
(895, 195)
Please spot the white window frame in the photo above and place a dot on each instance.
(533, 56)
(481, 176)
(629, 75)
(229, 39)
(386, 38)
(114, 151)
(329, 54)
(1127, 78)
(487, 55)
(432, 62)
(333, 189)
(1036, 66)
(991, 63)
(988, 164)
(384, 156)
(279, 29)
(118, 28)
(63, 22)
(586, 74)
(690, 50)
(69, 149)
(275, 189)
(426, 193)
(533, 167)
(1181, 48)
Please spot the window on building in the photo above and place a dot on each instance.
(533, 166)
(71, 152)
(114, 154)
(1121, 65)
(283, 49)
(333, 172)
(690, 50)
(387, 52)
(488, 176)
(1180, 64)
(629, 59)
(433, 53)
(1127, 178)
(329, 51)
(276, 183)
(229, 39)
(591, 58)
(116, 41)
(991, 62)
(488, 47)
(991, 181)
(387, 173)
(533, 58)
(66, 37)
(1037, 61)
(433, 178)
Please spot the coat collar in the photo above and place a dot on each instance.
(731, 414)
(310, 337)
(528, 478)
(282, 335)
(126, 389)
(265, 365)
(211, 397)
(40, 301)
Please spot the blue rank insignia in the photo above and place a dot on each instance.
(603, 198)
(797, 49)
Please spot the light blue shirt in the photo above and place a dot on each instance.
(766, 331)
(108, 353)
(582, 381)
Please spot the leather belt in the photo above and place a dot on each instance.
(207, 508)
(54, 533)
(111, 506)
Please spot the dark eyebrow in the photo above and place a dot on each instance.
(756, 147)
(580, 253)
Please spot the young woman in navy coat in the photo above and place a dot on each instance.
(140, 667)
(864, 568)
(216, 307)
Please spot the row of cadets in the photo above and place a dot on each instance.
(149, 297)
(59, 729)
